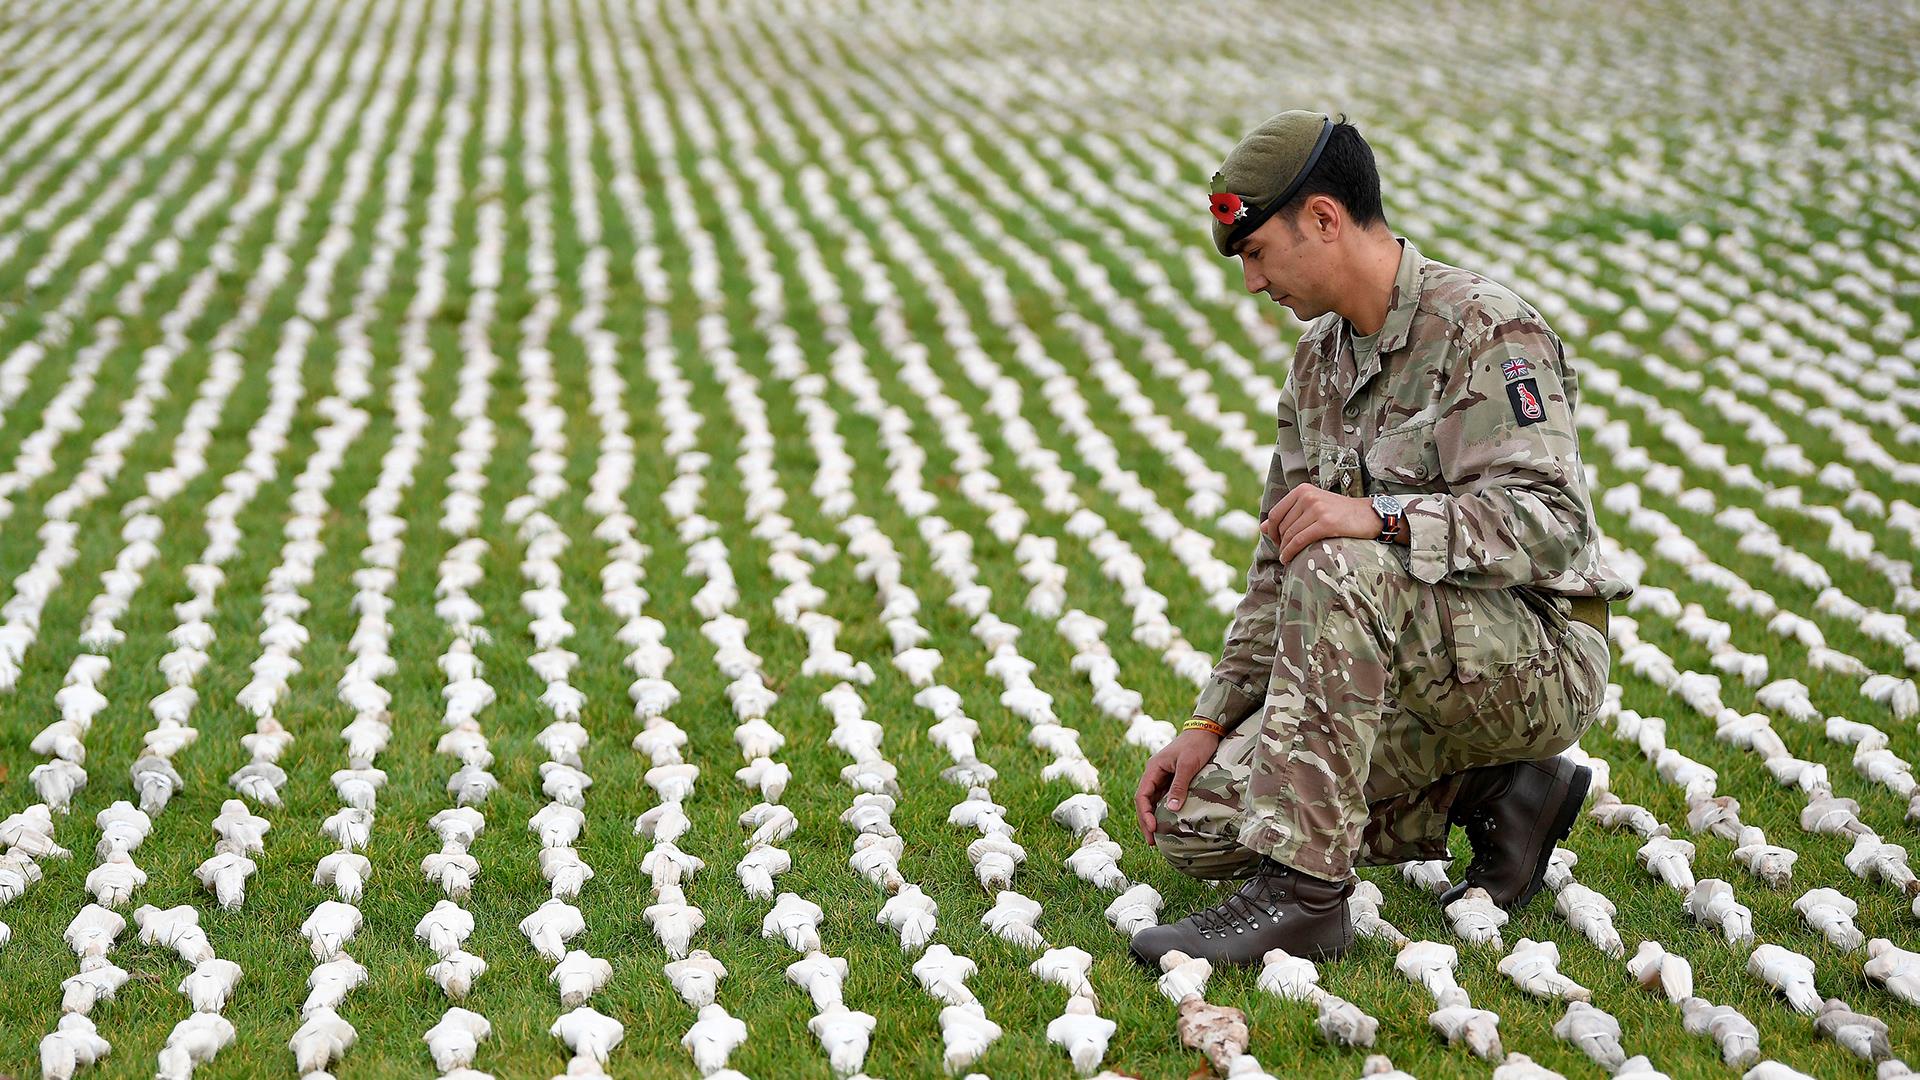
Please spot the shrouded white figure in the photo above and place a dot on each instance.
(912, 914)
(1893, 968)
(1343, 1023)
(1082, 1033)
(56, 781)
(1012, 918)
(455, 1040)
(114, 879)
(1457, 1021)
(349, 826)
(666, 823)
(1591, 914)
(1771, 863)
(176, 928)
(1719, 815)
(1789, 973)
(241, 828)
(1670, 860)
(578, 976)
(459, 825)
(1136, 909)
(994, 859)
(328, 984)
(1097, 861)
(1363, 906)
(766, 776)
(123, 827)
(563, 783)
(565, 870)
(331, 925)
(1430, 875)
(795, 920)
(674, 920)
(757, 869)
(1737, 1037)
(321, 1039)
(1476, 919)
(1774, 1070)
(1658, 970)
(661, 741)
(714, 1036)
(1376, 1065)
(36, 820)
(823, 976)
(225, 876)
(1830, 913)
(1611, 813)
(844, 1034)
(943, 975)
(1066, 967)
(652, 697)
(359, 788)
(697, 977)
(17, 871)
(590, 1034)
(1594, 1032)
(1429, 963)
(193, 1041)
(563, 739)
(456, 971)
(1832, 815)
(557, 824)
(97, 980)
(471, 784)
(156, 781)
(758, 739)
(965, 1033)
(1285, 975)
(1217, 1031)
(71, 1044)
(1857, 1033)
(346, 871)
(1534, 967)
(877, 859)
(445, 928)
(770, 822)
(1182, 976)
(551, 926)
(94, 930)
(1873, 858)
(1712, 904)
(452, 869)
(1079, 813)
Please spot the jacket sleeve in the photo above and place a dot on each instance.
(1238, 683)
(1518, 511)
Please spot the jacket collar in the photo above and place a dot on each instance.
(1401, 305)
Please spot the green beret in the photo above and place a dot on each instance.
(1263, 172)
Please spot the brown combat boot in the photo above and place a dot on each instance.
(1514, 814)
(1280, 908)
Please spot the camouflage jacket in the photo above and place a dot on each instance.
(1466, 414)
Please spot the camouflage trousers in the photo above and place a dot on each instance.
(1384, 689)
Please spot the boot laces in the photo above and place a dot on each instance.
(1239, 912)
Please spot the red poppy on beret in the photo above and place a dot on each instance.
(1227, 207)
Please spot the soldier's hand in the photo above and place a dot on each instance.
(1169, 771)
(1307, 513)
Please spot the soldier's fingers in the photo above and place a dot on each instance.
(1146, 794)
(1303, 517)
(1300, 538)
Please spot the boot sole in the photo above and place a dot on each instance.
(1564, 816)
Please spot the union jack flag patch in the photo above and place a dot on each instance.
(1515, 368)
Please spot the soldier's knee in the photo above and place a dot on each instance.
(1338, 559)
(1205, 857)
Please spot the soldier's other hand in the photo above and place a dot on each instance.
(1307, 513)
(1169, 771)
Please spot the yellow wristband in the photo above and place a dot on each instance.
(1201, 723)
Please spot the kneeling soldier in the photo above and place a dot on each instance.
(1424, 628)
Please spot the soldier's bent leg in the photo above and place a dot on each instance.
(1202, 838)
(1368, 713)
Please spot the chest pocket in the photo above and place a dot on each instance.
(1405, 460)
(1334, 467)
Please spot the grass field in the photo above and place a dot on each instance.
(408, 378)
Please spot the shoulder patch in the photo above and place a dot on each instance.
(1524, 396)
(1515, 368)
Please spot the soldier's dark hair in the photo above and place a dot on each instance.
(1345, 172)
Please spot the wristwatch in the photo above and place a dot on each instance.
(1388, 508)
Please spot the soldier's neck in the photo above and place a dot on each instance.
(1369, 290)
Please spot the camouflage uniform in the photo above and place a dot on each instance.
(1380, 670)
